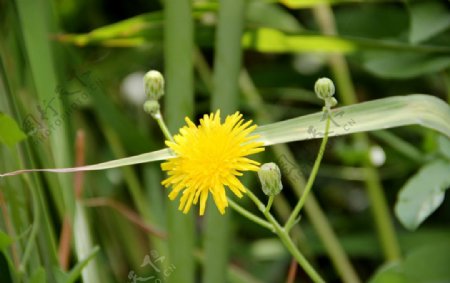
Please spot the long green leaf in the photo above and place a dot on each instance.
(416, 109)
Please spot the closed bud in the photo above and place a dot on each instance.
(270, 176)
(151, 107)
(154, 85)
(324, 88)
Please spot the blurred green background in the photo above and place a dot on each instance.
(71, 93)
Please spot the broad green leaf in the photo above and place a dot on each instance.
(134, 31)
(404, 64)
(358, 21)
(390, 273)
(423, 193)
(428, 18)
(5, 241)
(426, 264)
(418, 109)
(10, 133)
(444, 146)
(38, 276)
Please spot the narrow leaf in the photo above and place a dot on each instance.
(271, 40)
(423, 193)
(76, 271)
(417, 109)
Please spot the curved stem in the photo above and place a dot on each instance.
(250, 215)
(162, 125)
(339, 67)
(312, 177)
(269, 204)
(287, 241)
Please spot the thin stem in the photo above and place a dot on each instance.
(269, 204)
(162, 125)
(287, 241)
(338, 64)
(250, 216)
(318, 218)
(34, 230)
(312, 177)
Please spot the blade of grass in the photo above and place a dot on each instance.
(415, 109)
(178, 54)
(227, 64)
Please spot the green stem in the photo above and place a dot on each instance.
(34, 229)
(179, 103)
(162, 125)
(287, 241)
(311, 179)
(318, 218)
(269, 203)
(380, 210)
(225, 96)
(250, 215)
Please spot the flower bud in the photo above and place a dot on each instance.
(270, 176)
(154, 85)
(324, 88)
(151, 107)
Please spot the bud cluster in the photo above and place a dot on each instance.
(324, 88)
(154, 89)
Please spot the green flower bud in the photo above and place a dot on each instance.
(151, 107)
(154, 85)
(324, 88)
(270, 176)
(331, 102)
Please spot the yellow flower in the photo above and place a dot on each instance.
(209, 158)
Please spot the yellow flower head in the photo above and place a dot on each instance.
(209, 158)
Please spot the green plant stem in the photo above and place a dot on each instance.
(269, 203)
(287, 241)
(312, 177)
(244, 212)
(162, 125)
(34, 229)
(318, 218)
(385, 228)
(225, 96)
(179, 103)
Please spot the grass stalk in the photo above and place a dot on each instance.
(225, 96)
(178, 62)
